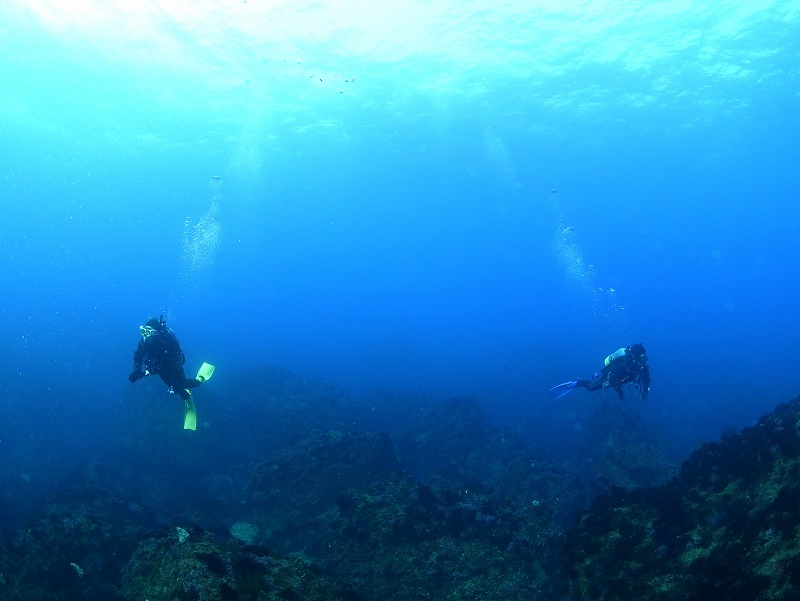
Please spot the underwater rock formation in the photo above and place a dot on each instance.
(193, 566)
(728, 527)
(398, 498)
(78, 546)
(306, 479)
(343, 502)
(407, 540)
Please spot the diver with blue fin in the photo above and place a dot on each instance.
(159, 352)
(626, 365)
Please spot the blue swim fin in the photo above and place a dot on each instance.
(558, 391)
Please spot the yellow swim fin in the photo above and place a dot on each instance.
(205, 372)
(190, 415)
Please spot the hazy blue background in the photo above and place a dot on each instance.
(398, 185)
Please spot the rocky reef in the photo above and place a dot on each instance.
(308, 494)
(78, 545)
(727, 527)
(184, 565)
(343, 502)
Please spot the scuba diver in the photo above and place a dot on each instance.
(621, 367)
(159, 352)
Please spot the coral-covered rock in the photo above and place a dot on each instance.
(193, 566)
(78, 546)
(289, 489)
(311, 474)
(727, 528)
(406, 539)
(342, 502)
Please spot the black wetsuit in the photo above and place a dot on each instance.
(161, 354)
(621, 370)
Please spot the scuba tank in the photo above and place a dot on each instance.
(615, 355)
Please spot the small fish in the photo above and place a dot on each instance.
(216, 177)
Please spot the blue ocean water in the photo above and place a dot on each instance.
(477, 198)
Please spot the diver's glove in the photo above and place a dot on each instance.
(135, 375)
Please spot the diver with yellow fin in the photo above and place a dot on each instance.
(159, 352)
